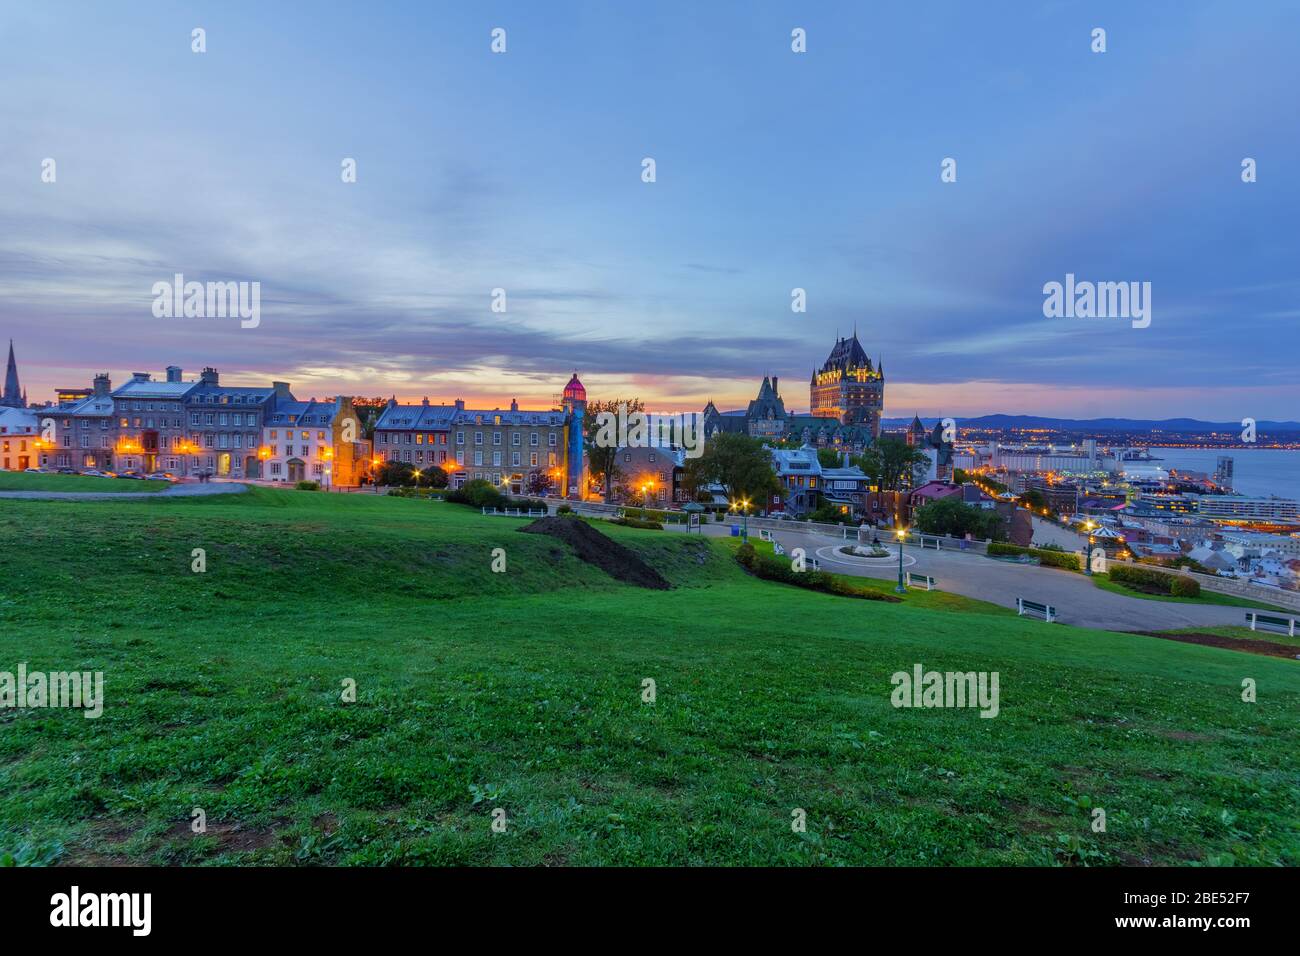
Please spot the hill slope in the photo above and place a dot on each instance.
(523, 691)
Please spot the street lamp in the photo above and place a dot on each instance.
(902, 536)
(743, 505)
(1087, 558)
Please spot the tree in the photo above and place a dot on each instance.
(602, 460)
(1035, 499)
(537, 482)
(954, 517)
(829, 458)
(889, 463)
(740, 464)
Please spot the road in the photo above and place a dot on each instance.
(1076, 599)
(183, 490)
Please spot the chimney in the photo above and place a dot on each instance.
(460, 404)
(281, 390)
(426, 401)
(103, 385)
(139, 376)
(514, 405)
(173, 373)
(775, 391)
(208, 376)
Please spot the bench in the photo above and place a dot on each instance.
(1270, 622)
(1046, 611)
(923, 581)
(764, 534)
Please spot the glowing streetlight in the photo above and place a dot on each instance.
(901, 588)
(743, 507)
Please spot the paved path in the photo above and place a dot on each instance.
(1077, 600)
(183, 490)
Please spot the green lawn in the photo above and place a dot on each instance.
(23, 481)
(522, 691)
(1104, 582)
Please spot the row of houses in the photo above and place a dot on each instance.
(200, 427)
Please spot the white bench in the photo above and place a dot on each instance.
(1270, 622)
(764, 534)
(1045, 611)
(923, 581)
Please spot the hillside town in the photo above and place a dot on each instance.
(836, 463)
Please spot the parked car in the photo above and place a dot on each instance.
(34, 471)
(157, 477)
(132, 474)
(68, 471)
(94, 473)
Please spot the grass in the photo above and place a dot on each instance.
(523, 690)
(24, 481)
(1104, 582)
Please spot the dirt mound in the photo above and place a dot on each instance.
(1252, 645)
(594, 548)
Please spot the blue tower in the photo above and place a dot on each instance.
(575, 403)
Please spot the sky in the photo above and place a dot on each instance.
(774, 170)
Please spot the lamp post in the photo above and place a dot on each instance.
(743, 505)
(902, 536)
(1087, 558)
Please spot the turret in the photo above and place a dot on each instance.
(575, 405)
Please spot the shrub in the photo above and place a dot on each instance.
(308, 486)
(564, 510)
(997, 547)
(1057, 559)
(1141, 579)
(776, 569)
(638, 523)
(478, 493)
(1182, 586)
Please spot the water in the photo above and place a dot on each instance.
(1259, 472)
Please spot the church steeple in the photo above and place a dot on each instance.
(13, 394)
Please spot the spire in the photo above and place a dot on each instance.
(13, 394)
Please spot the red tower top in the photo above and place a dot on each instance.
(574, 390)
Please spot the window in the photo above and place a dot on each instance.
(514, 459)
(496, 438)
(496, 459)
(478, 438)
(514, 439)
(532, 439)
(460, 438)
(532, 459)
(478, 457)
(550, 439)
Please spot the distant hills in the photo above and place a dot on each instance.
(1176, 425)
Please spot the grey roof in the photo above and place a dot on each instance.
(151, 389)
(435, 417)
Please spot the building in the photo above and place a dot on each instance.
(652, 472)
(185, 427)
(499, 445)
(767, 418)
(807, 485)
(938, 453)
(1240, 508)
(19, 439)
(847, 388)
(315, 441)
(12, 396)
(1223, 472)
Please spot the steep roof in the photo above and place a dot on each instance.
(847, 354)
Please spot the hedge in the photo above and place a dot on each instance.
(638, 523)
(775, 569)
(1051, 558)
(1155, 582)
(308, 486)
